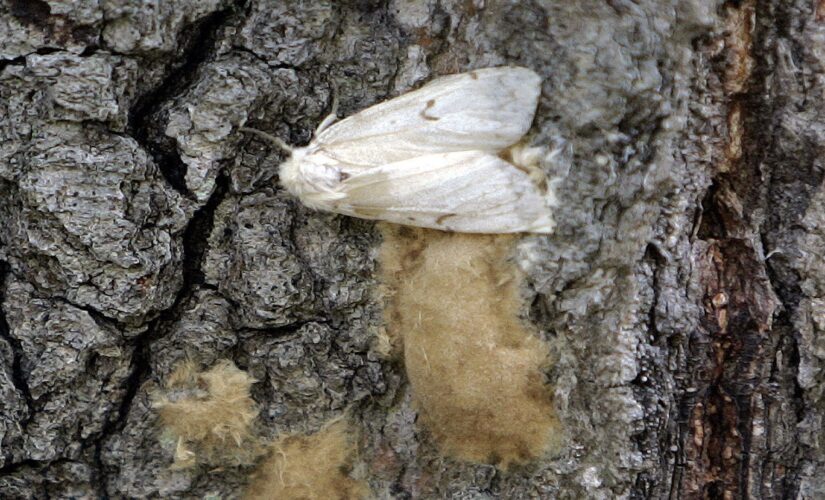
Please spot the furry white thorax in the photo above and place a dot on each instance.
(312, 177)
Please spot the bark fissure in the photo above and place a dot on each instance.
(194, 247)
(18, 466)
(742, 216)
(145, 115)
(18, 375)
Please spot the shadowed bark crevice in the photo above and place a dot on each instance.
(744, 218)
(194, 247)
(148, 113)
(17, 374)
(31, 11)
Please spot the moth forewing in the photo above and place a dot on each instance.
(484, 110)
(431, 158)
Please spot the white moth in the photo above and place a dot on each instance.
(442, 157)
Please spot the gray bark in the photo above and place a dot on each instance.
(682, 293)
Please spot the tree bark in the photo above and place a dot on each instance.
(682, 294)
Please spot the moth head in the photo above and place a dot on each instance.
(290, 172)
(311, 179)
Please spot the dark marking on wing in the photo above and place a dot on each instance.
(444, 217)
(342, 176)
(424, 114)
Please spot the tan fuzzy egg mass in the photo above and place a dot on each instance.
(210, 414)
(475, 367)
(309, 467)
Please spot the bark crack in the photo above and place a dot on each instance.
(194, 248)
(18, 377)
(747, 211)
(146, 116)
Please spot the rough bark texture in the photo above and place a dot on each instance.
(683, 294)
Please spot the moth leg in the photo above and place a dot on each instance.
(332, 117)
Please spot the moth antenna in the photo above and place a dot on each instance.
(268, 137)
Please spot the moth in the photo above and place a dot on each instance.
(445, 156)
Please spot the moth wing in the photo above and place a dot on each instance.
(484, 110)
(469, 191)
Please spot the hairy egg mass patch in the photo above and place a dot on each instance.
(475, 367)
(309, 467)
(210, 414)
